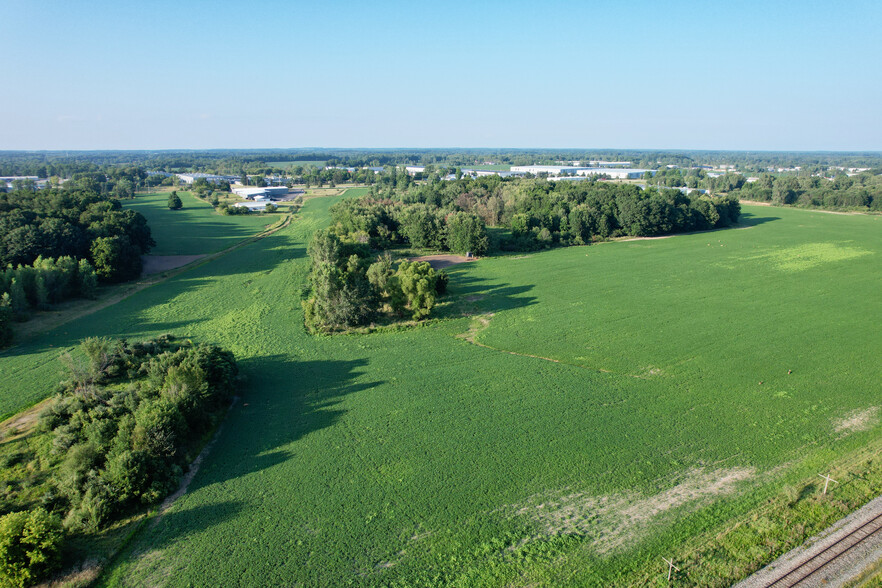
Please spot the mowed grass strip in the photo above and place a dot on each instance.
(417, 457)
(195, 229)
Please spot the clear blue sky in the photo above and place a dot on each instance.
(641, 74)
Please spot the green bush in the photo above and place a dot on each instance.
(29, 544)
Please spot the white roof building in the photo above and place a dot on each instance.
(269, 192)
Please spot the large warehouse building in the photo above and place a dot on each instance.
(627, 173)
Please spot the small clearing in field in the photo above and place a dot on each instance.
(859, 420)
(155, 264)
(616, 520)
(441, 261)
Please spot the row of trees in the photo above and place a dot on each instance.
(348, 289)
(863, 191)
(453, 215)
(116, 437)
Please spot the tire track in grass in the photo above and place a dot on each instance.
(483, 321)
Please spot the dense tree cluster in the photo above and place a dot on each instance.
(117, 436)
(863, 191)
(347, 290)
(47, 281)
(452, 215)
(385, 223)
(66, 222)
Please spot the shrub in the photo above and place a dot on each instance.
(29, 544)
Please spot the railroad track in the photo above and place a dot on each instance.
(818, 561)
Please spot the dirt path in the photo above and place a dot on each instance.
(441, 261)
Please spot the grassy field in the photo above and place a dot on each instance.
(196, 228)
(574, 415)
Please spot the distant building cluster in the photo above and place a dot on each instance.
(576, 171)
(267, 193)
(214, 179)
(7, 181)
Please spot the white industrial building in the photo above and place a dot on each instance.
(258, 206)
(215, 179)
(267, 193)
(571, 170)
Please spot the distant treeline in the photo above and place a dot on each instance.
(118, 435)
(255, 161)
(863, 191)
(453, 215)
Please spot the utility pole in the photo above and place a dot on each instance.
(827, 480)
(671, 567)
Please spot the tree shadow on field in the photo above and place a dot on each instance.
(171, 527)
(751, 220)
(282, 401)
(467, 295)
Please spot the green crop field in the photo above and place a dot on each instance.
(573, 415)
(196, 228)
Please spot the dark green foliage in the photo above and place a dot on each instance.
(126, 422)
(342, 295)
(417, 282)
(466, 234)
(366, 221)
(116, 259)
(452, 215)
(233, 210)
(862, 192)
(5, 319)
(48, 281)
(423, 226)
(29, 545)
(347, 291)
(174, 201)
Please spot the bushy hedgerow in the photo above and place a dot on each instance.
(125, 424)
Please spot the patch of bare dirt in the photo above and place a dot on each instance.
(22, 423)
(156, 264)
(441, 261)
(613, 521)
(859, 420)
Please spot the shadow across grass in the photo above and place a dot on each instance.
(469, 294)
(751, 220)
(283, 401)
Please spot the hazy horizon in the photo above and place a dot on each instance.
(762, 76)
